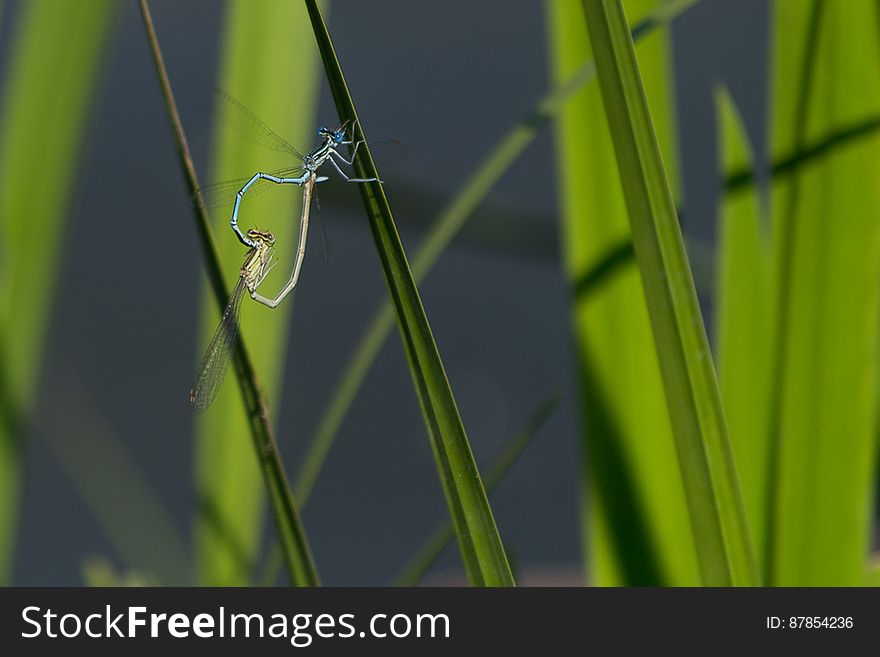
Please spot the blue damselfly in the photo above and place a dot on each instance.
(232, 191)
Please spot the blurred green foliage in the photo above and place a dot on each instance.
(54, 68)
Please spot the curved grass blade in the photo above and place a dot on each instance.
(444, 229)
(225, 556)
(444, 533)
(482, 551)
(724, 550)
(52, 76)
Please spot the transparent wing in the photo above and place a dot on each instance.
(384, 152)
(322, 232)
(323, 242)
(214, 363)
(223, 193)
(389, 149)
(233, 113)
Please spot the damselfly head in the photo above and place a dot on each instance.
(339, 133)
(336, 135)
(263, 236)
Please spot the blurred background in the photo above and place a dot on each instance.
(127, 316)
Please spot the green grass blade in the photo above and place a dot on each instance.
(721, 535)
(444, 229)
(444, 533)
(826, 251)
(53, 71)
(481, 547)
(635, 522)
(230, 487)
(743, 322)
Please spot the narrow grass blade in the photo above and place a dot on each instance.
(826, 253)
(483, 554)
(53, 71)
(721, 534)
(635, 521)
(228, 558)
(444, 533)
(744, 322)
(444, 229)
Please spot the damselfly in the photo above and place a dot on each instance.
(212, 370)
(232, 191)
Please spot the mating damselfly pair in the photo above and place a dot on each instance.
(261, 245)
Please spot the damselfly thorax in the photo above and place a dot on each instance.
(257, 263)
